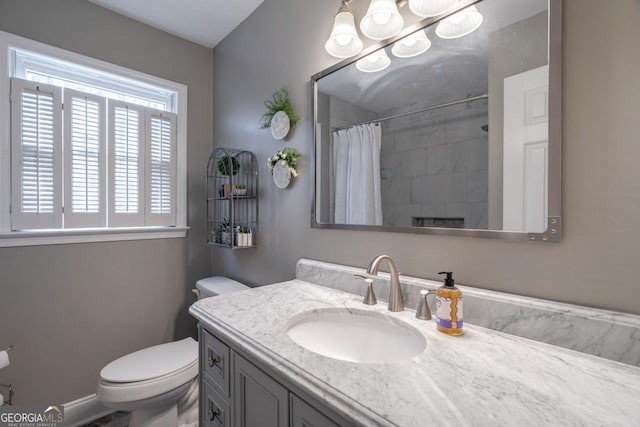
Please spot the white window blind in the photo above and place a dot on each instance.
(85, 160)
(36, 149)
(126, 166)
(160, 180)
(61, 180)
(136, 143)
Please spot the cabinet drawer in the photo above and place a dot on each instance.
(214, 409)
(305, 415)
(215, 360)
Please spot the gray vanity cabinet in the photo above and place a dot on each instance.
(259, 401)
(234, 392)
(305, 415)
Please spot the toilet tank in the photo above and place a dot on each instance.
(217, 285)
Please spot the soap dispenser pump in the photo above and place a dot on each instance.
(449, 312)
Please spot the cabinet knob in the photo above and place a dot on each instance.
(212, 361)
(212, 415)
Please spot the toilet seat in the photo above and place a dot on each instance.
(149, 372)
(153, 362)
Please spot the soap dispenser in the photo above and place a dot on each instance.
(449, 307)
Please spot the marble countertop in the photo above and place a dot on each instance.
(485, 377)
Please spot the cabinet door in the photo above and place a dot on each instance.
(305, 415)
(259, 401)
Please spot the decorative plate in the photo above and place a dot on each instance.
(281, 174)
(280, 125)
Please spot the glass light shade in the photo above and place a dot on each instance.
(460, 23)
(377, 61)
(412, 45)
(382, 20)
(428, 8)
(343, 41)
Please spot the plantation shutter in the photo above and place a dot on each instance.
(36, 151)
(85, 160)
(126, 168)
(160, 168)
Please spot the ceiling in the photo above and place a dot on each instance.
(205, 22)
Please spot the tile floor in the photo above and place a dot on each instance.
(117, 419)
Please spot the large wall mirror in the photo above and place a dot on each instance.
(460, 139)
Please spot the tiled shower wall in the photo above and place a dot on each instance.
(434, 165)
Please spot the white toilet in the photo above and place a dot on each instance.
(159, 384)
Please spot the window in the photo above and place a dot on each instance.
(95, 151)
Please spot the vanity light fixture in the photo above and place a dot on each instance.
(412, 45)
(429, 8)
(382, 21)
(460, 23)
(344, 41)
(372, 63)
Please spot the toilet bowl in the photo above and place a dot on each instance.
(159, 384)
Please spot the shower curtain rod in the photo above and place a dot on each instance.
(408, 113)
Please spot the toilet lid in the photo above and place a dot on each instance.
(152, 362)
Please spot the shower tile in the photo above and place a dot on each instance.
(477, 186)
(398, 191)
(457, 157)
(421, 190)
(448, 188)
(401, 215)
(466, 124)
(419, 137)
(427, 210)
(415, 162)
(477, 216)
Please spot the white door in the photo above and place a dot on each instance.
(526, 146)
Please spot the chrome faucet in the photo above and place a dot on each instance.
(396, 302)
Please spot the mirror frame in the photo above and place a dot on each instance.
(553, 233)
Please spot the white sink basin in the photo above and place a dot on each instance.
(356, 335)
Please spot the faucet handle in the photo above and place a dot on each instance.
(423, 312)
(369, 296)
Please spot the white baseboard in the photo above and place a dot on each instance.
(84, 410)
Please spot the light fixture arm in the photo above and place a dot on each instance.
(345, 6)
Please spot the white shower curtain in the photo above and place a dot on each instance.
(356, 162)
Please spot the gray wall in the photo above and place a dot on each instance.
(70, 309)
(282, 43)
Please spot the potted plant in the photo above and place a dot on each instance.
(243, 236)
(228, 165)
(239, 190)
(224, 233)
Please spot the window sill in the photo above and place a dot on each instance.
(88, 235)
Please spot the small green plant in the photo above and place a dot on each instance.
(224, 226)
(243, 229)
(228, 165)
(223, 232)
(240, 186)
(279, 102)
